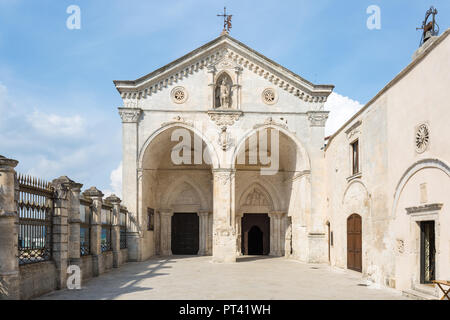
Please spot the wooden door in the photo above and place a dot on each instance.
(354, 243)
(185, 233)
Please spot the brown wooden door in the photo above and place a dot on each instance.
(185, 233)
(354, 243)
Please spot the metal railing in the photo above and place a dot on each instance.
(123, 229)
(85, 227)
(106, 219)
(35, 210)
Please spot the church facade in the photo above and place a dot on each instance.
(224, 154)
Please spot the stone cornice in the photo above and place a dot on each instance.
(212, 53)
(425, 208)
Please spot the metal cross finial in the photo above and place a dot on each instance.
(226, 20)
(430, 28)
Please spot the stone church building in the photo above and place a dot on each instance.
(224, 154)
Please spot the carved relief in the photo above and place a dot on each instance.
(422, 138)
(256, 198)
(179, 95)
(225, 139)
(224, 118)
(269, 96)
(317, 118)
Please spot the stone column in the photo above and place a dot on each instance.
(203, 234)
(115, 237)
(224, 234)
(9, 263)
(238, 223)
(275, 233)
(210, 234)
(166, 232)
(60, 228)
(130, 118)
(74, 224)
(96, 228)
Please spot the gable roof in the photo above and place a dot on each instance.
(213, 51)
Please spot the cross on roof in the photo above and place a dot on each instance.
(226, 20)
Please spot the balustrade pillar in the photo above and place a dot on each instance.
(9, 264)
(74, 224)
(96, 228)
(115, 236)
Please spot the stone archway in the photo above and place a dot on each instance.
(175, 188)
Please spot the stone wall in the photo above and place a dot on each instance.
(32, 280)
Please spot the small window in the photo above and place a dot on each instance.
(150, 219)
(355, 157)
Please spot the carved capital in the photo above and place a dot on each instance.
(129, 115)
(317, 118)
(223, 176)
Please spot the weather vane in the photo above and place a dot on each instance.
(431, 28)
(226, 20)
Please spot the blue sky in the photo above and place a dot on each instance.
(58, 105)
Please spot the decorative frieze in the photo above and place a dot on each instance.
(225, 117)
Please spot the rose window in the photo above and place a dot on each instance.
(422, 138)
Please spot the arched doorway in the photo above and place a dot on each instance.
(354, 242)
(256, 234)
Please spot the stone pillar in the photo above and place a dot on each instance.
(210, 234)
(166, 232)
(96, 228)
(60, 228)
(238, 223)
(203, 234)
(224, 235)
(74, 224)
(276, 233)
(130, 118)
(115, 236)
(9, 263)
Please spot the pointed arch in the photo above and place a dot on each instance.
(175, 188)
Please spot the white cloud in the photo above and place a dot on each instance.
(52, 124)
(341, 109)
(116, 182)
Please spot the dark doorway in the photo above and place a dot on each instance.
(185, 233)
(427, 252)
(255, 234)
(354, 243)
(255, 241)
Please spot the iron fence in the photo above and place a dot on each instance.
(85, 227)
(123, 229)
(106, 217)
(35, 210)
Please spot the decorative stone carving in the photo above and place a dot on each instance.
(223, 177)
(354, 130)
(176, 120)
(422, 138)
(225, 117)
(224, 94)
(271, 122)
(129, 115)
(269, 96)
(317, 118)
(179, 95)
(256, 198)
(225, 139)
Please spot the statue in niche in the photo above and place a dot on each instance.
(223, 94)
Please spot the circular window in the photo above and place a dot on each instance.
(179, 95)
(422, 138)
(269, 96)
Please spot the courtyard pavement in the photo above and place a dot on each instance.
(196, 278)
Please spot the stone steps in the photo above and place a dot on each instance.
(418, 295)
